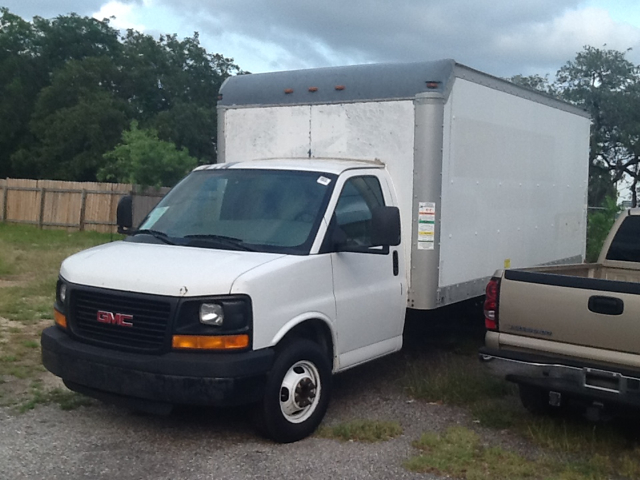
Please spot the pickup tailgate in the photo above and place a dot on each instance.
(589, 312)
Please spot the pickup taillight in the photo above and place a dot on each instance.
(491, 304)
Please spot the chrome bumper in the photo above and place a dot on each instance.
(555, 376)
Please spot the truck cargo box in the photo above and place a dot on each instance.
(487, 174)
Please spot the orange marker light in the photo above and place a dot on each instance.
(313, 89)
(433, 85)
(210, 342)
(288, 90)
(60, 319)
(339, 87)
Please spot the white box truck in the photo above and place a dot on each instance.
(345, 196)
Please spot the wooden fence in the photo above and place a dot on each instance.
(73, 205)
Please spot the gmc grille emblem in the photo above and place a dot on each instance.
(120, 319)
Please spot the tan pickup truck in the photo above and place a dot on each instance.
(571, 333)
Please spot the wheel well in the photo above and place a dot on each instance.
(315, 330)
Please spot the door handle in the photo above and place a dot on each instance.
(606, 305)
(396, 267)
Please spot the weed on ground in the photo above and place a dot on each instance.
(65, 399)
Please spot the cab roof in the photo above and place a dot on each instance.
(323, 165)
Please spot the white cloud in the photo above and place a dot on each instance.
(123, 14)
(502, 37)
(558, 41)
(300, 33)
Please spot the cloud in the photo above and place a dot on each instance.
(27, 9)
(122, 13)
(336, 32)
(502, 37)
(559, 40)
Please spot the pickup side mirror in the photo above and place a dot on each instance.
(385, 226)
(124, 214)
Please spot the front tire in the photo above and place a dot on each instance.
(297, 393)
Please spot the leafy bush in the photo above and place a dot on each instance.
(143, 159)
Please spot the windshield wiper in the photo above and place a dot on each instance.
(154, 233)
(222, 240)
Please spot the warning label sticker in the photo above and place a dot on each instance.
(426, 225)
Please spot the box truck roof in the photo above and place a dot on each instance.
(361, 83)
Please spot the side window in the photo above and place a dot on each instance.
(359, 196)
(624, 246)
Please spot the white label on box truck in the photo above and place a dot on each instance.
(426, 225)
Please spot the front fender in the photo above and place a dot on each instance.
(299, 320)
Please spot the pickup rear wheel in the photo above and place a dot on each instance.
(297, 393)
(534, 399)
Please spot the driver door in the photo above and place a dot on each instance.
(369, 281)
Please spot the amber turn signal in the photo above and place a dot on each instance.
(60, 319)
(210, 342)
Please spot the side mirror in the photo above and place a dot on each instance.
(124, 214)
(385, 226)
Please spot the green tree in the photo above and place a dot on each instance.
(174, 88)
(21, 78)
(535, 82)
(75, 121)
(606, 84)
(143, 159)
(69, 87)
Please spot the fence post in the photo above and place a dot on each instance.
(5, 196)
(83, 208)
(41, 217)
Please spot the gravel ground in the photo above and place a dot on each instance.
(104, 442)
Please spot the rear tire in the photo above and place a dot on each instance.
(535, 399)
(297, 393)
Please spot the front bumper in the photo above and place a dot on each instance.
(216, 379)
(573, 378)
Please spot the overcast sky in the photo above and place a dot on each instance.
(501, 37)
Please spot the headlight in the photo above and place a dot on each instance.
(211, 314)
(214, 315)
(62, 291)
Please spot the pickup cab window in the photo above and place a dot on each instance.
(625, 244)
(277, 211)
(359, 196)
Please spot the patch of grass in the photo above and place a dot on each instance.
(30, 259)
(362, 431)
(29, 263)
(65, 399)
(21, 354)
(5, 267)
(31, 344)
(581, 449)
(460, 453)
(569, 434)
(499, 413)
(453, 379)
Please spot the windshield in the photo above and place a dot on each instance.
(275, 211)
